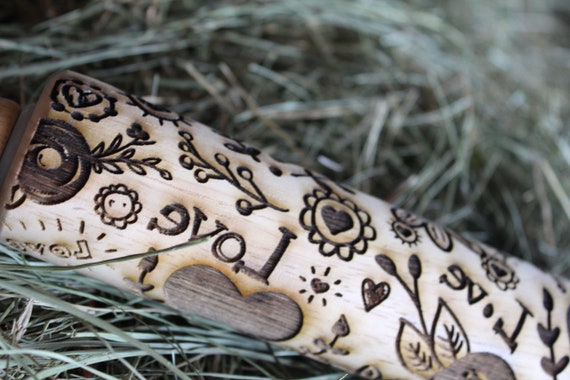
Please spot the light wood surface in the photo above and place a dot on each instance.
(289, 257)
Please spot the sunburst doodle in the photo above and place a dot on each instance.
(319, 286)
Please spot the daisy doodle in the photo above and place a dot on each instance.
(117, 205)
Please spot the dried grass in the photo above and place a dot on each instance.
(456, 110)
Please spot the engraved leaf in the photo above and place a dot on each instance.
(387, 264)
(547, 301)
(98, 149)
(321, 344)
(439, 236)
(128, 153)
(148, 264)
(341, 328)
(414, 350)
(111, 167)
(97, 168)
(415, 266)
(450, 340)
(115, 144)
(340, 351)
(551, 368)
(165, 174)
(151, 161)
(138, 169)
(548, 337)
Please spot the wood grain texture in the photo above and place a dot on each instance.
(204, 290)
(289, 256)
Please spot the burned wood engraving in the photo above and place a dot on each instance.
(205, 291)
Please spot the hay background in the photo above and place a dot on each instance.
(457, 110)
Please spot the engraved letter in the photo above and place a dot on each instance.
(180, 223)
(264, 273)
(511, 340)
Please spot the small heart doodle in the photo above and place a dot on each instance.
(205, 291)
(80, 98)
(319, 286)
(374, 294)
(337, 221)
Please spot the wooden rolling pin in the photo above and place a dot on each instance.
(92, 173)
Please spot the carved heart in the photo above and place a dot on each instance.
(341, 327)
(319, 286)
(548, 337)
(374, 294)
(79, 98)
(337, 221)
(205, 291)
(552, 368)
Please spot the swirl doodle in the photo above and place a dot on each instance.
(56, 166)
(240, 177)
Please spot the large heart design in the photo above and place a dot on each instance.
(337, 221)
(374, 294)
(205, 291)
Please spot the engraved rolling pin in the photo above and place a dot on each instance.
(92, 173)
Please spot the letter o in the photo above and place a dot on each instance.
(228, 255)
(60, 251)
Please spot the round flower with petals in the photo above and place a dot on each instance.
(499, 272)
(336, 224)
(82, 100)
(117, 205)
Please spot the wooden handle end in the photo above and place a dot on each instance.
(9, 112)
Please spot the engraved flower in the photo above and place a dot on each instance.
(336, 224)
(82, 100)
(499, 272)
(136, 132)
(117, 205)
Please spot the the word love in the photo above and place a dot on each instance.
(80, 251)
(228, 246)
(458, 280)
